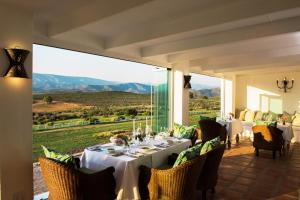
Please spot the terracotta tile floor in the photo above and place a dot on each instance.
(244, 176)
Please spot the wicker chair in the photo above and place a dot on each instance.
(67, 183)
(177, 183)
(209, 176)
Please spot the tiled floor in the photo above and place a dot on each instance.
(244, 176)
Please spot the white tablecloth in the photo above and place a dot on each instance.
(233, 127)
(288, 132)
(127, 168)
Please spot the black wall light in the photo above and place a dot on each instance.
(16, 58)
(187, 79)
(285, 84)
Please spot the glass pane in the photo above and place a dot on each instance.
(161, 100)
(205, 98)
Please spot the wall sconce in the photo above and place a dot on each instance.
(16, 58)
(285, 84)
(187, 79)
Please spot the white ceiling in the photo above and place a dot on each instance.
(210, 36)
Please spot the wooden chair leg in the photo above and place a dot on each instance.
(203, 194)
(257, 152)
(274, 154)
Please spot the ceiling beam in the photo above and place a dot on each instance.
(246, 58)
(246, 33)
(89, 13)
(256, 64)
(239, 48)
(221, 15)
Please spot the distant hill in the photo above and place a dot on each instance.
(49, 83)
(45, 83)
(207, 92)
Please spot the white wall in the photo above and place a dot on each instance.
(15, 110)
(251, 89)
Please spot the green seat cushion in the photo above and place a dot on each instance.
(266, 123)
(61, 158)
(186, 132)
(188, 154)
(210, 145)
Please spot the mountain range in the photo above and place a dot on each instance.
(47, 83)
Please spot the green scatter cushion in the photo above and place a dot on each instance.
(258, 116)
(264, 117)
(61, 158)
(210, 145)
(188, 154)
(186, 132)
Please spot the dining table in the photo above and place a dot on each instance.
(127, 161)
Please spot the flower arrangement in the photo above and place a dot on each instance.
(284, 119)
(119, 139)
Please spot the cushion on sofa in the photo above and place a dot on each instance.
(296, 120)
(271, 116)
(242, 115)
(249, 117)
(258, 116)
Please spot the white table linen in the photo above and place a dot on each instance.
(287, 134)
(127, 168)
(233, 127)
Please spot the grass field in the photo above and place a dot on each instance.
(75, 139)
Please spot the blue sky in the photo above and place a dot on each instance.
(49, 60)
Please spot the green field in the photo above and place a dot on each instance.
(103, 106)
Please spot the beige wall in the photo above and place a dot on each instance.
(15, 110)
(251, 88)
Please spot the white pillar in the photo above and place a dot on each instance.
(15, 109)
(180, 94)
(228, 91)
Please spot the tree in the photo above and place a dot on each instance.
(205, 97)
(132, 112)
(47, 99)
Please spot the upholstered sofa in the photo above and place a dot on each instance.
(250, 118)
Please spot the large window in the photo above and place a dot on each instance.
(81, 99)
(204, 97)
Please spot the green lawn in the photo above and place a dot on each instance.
(72, 140)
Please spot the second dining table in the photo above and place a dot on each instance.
(127, 164)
